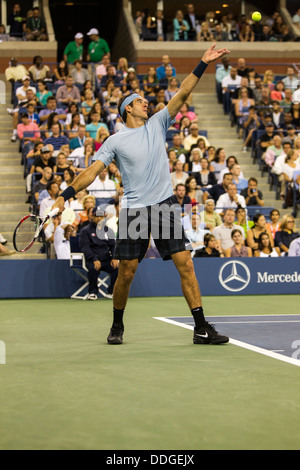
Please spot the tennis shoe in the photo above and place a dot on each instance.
(208, 334)
(2, 239)
(92, 297)
(116, 335)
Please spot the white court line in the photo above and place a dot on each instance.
(241, 344)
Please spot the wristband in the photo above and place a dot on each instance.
(68, 193)
(200, 69)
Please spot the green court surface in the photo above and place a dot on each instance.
(63, 387)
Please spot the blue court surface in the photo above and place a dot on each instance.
(277, 336)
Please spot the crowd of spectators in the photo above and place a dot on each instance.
(265, 110)
(62, 117)
(24, 26)
(187, 25)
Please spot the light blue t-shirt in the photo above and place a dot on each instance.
(141, 157)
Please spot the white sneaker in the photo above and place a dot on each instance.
(10, 111)
(14, 138)
(92, 297)
(2, 239)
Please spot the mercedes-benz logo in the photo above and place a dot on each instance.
(234, 276)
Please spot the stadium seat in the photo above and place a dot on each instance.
(77, 263)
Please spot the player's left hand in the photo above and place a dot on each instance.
(211, 54)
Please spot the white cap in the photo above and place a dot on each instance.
(26, 77)
(93, 31)
(79, 36)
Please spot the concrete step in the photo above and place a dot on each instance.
(24, 256)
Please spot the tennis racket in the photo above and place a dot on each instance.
(28, 230)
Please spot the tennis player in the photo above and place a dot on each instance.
(140, 154)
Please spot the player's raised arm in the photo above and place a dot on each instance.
(191, 80)
(82, 181)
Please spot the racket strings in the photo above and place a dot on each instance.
(26, 232)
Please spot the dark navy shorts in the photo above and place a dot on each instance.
(161, 221)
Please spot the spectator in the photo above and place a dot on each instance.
(62, 164)
(192, 137)
(42, 184)
(164, 82)
(93, 126)
(277, 116)
(251, 124)
(178, 175)
(98, 251)
(180, 27)
(265, 247)
(230, 199)
(82, 218)
(42, 160)
(194, 165)
(296, 18)
(205, 33)
(241, 107)
(61, 72)
(101, 136)
(173, 87)
(36, 27)
(205, 178)
(242, 69)
(39, 71)
(211, 248)
(193, 21)
(238, 249)
(79, 74)
(161, 26)
(192, 191)
(219, 162)
(150, 82)
(185, 111)
(16, 23)
(291, 165)
(209, 217)
(122, 68)
(290, 81)
(218, 34)
(266, 34)
(196, 234)
(286, 34)
(218, 189)
(101, 70)
(265, 101)
(53, 192)
(27, 126)
(285, 236)
(287, 102)
(79, 140)
(161, 70)
(103, 187)
(247, 33)
(56, 139)
(294, 249)
(240, 182)
(253, 196)
(43, 93)
(15, 71)
(181, 152)
(74, 49)
(180, 197)
(221, 72)
(229, 83)
(3, 36)
(223, 231)
(61, 242)
(50, 109)
(267, 139)
(278, 93)
(255, 231)
(97, 47)
(274, 225)
(243, 220)
(68, 93)
(110, 75)
(295, 110)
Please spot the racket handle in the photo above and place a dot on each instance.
(53, 213)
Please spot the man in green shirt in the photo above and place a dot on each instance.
(97, 47)
(74, 50)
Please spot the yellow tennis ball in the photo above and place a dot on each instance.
(256, 16)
